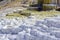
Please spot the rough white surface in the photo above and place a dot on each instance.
(30, 29)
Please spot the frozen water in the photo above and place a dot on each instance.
(52, 22)
(29, 29)
(57, 34)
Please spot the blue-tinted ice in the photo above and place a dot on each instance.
(30, 29)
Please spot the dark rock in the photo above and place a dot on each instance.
(58, 9)
(1, 0)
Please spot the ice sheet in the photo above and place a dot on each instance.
(30, 29)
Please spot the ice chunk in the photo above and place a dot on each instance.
(57, 34)
(10, 31)
(52, 23)
(12, 37)
(20, 35)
